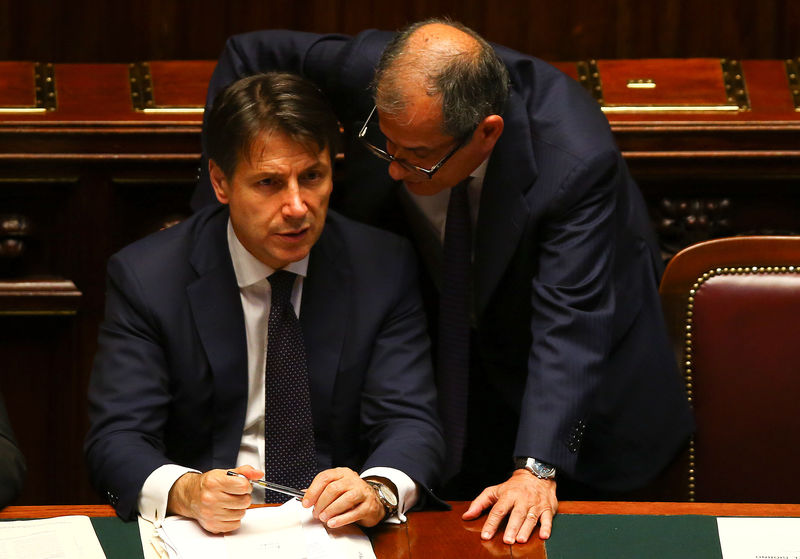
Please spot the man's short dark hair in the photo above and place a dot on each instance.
(260, 103)
(471, 84)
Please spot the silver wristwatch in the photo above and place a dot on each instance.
(542, 470)
(386, 497)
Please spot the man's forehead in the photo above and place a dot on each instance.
(418, 123)
(272, 146)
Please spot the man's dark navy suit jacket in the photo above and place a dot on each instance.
(169, 383)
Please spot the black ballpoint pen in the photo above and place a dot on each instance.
(297, 493)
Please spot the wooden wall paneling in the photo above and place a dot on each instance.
(42, 389)
(64, 171)
(84, 30)
(141, 206)
(33, 206)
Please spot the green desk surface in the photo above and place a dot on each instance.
(600, 536)
(120, 540)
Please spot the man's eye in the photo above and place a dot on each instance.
(312, 176)
(266, 182)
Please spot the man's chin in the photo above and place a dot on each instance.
(422, 188)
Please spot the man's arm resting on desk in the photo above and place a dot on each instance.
(572, 321)
(216, 500)
(340, 496)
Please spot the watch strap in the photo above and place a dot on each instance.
(540, 469)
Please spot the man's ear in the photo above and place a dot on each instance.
(488, 132)
(218, 181)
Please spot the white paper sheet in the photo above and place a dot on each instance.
(759, 538)
(63, 537)
(285, 532)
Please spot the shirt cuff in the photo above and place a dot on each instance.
(154, 495)
(407, 489)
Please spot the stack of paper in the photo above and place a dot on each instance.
(759, 538)
(63, 537)
(285, 532)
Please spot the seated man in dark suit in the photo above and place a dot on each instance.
(553, 362)
(12, 462)
(203, 365)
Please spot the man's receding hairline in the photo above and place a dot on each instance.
(462, 42)
(418, 68)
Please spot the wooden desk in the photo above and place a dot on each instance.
(445, 535)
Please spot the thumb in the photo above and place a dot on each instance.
(249, 472)
(482, 502)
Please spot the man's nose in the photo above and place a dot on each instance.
(293, 205)
(397, 171)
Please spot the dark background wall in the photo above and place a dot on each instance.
(117, 31)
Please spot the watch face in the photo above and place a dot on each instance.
(539, 469)
(390, 497)
(543, 470)
(385, 494)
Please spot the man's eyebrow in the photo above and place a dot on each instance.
(317, 165)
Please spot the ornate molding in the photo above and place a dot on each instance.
(14, 230)
(681, 222)
(39, 296)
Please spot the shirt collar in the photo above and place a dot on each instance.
(249, 269)
(480, 170)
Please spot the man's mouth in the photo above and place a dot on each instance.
(294, 234)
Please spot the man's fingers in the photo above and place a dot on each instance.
(517, 518)
(249, 471)
(525, 499)
(546, 521)
(220, 527)
(525, 531)
(215, 483)
(481, 503)
(336, 500)
(320, 486)
(349, 516)
(496, 516)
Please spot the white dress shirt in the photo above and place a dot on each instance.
(255, 292)
(434, 207)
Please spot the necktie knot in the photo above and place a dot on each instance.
(282, 283)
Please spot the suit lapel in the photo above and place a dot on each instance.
(425, 236)
(217, 310)
(324, 317)
(503, 208)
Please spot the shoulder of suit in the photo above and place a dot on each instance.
(185, 232)
(359, 236)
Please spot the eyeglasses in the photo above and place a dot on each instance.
(372, 136)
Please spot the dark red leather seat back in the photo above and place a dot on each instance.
(734, 311)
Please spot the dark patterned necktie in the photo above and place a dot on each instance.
(290, 458)
(454, 326)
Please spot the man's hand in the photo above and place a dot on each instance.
(215, 499)
(340, 497)
(525, 499)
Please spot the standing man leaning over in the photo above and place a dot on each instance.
(553, 364)
(203, 365)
